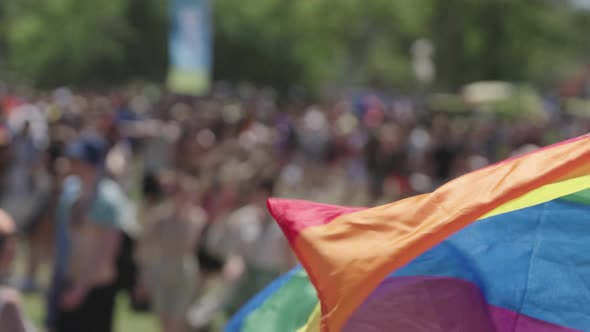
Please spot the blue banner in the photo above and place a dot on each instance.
(190, 47)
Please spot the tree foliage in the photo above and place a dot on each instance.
(83, 42)
(311, 43)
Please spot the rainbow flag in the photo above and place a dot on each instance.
(505, 248)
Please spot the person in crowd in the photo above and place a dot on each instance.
(386, 156)
(26, 161)
(257, 251)
(5, 158)
(92, 237)
(12, 315)
(171, 270)
(40, 229)
(68, 190)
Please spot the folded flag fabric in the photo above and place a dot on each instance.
(500, 249)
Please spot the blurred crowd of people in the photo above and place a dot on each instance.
(139, 191)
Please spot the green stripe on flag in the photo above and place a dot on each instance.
(287, 310)
(581, 197)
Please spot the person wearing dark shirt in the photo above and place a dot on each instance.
(386, 156)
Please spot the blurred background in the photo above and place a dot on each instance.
(139, 139)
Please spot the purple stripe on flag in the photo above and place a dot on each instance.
(437, 304)
(508, 320)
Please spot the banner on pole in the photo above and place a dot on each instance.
(190, 47)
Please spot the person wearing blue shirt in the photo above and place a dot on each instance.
(69, 195)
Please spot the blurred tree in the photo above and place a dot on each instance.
(63, 41)
(147, 48)
(507, 40)
(86, 43)
(255, 41)
(310, 43)
(283, 42)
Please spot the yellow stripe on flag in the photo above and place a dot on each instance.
(543, 194)
(313, 322)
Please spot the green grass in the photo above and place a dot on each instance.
(34, 308)
(125, 318)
